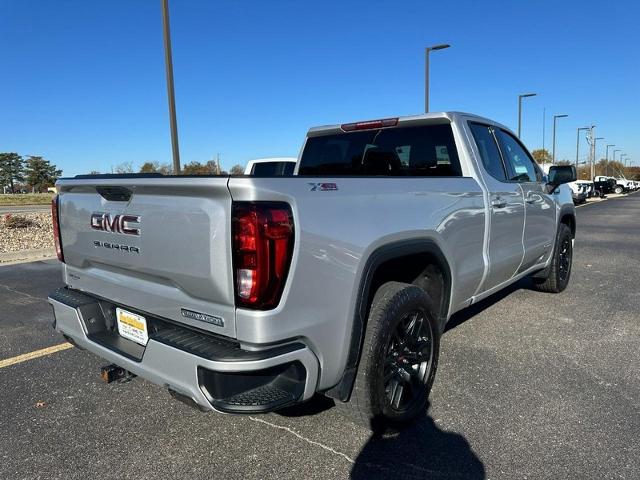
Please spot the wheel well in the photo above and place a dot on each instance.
(421, 269)
(419, 262)
(570, 221)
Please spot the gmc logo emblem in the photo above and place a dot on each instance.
(127, 224)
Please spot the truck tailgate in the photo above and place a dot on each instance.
(160, 245)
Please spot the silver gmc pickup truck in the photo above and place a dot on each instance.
(249, 294)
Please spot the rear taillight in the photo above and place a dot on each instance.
(262, 247)
(56, 228)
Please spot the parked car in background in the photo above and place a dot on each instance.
(620, 185)
(587, 187)
(271, 167)
(604, 185)
(338, 280)
(16, 190)
(626, 184)
(578, 193)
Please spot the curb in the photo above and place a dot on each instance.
(23, 256)
(18, 205)
(610, 196)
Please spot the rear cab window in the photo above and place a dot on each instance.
(420, 151)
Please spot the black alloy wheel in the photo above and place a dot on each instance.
(408, 362)
(564, 260)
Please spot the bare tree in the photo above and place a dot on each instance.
(156, 167)
(124, 167)
(237, 170)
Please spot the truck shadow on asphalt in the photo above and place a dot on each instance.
(421, 450)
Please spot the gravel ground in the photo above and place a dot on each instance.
(38, 236)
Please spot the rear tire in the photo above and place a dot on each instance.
(399, 358)
(556, 277)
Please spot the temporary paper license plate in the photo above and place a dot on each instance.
(132, 326)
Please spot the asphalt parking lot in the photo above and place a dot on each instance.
(530, 385)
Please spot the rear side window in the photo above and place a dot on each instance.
(425, 151)
(271, 169)
(489, 152)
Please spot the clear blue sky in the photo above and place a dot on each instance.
(83, 82)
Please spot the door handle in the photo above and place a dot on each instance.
(498, 203)
(533, 198)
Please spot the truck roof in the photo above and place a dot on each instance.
(407, 120)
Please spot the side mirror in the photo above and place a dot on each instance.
(559, 174)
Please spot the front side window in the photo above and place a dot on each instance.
(425, 151)
(489, 152)
(521, 167)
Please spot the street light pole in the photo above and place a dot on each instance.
(578, 143)
(553, 156)
(428, 50)
(520, 97)
(544, 128)
(595, 142)
(170, 90)
(591, 143)
(607, 158)
(614, 154)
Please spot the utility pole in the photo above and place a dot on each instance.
(170, 90)
(578, 144)
(426, 72)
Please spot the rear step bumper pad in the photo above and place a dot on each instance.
(177, 369)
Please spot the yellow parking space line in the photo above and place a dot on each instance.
(35, 354)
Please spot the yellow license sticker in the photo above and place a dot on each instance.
(132, 326)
